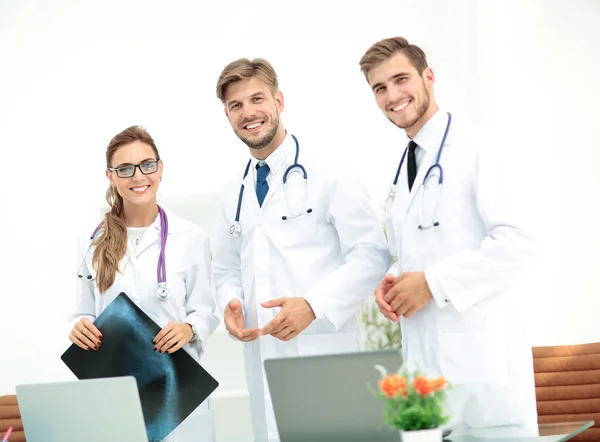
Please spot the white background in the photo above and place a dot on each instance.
(75, 73)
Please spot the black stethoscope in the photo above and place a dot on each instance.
(236, 227)
(436, 165)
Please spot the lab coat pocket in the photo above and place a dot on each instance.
(293, 232)
(331, 343)
(478, 356)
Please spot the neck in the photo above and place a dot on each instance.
(140, 216)
(415, 128)
(263, 153)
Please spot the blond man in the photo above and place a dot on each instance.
(293, 261)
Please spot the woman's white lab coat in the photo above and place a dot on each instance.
(473, 332)
(187, 256)
(333, 257)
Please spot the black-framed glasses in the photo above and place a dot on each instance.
(127, 171)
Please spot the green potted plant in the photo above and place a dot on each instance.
(413, 404)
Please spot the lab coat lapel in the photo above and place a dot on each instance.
(399, 204)
(250, 199)
(150, 236)
(276, 181)
(426, 163)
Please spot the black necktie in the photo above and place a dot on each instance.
(262, 187)
(412, 164)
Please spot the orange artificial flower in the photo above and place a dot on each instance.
(439, 383)
(393, 385)
(423, 386)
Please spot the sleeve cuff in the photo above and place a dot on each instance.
(439, 295)
(315, 308)
(224, 300)
(203, 326)
(394, 269)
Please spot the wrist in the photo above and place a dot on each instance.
(191, 332)
(311, 311)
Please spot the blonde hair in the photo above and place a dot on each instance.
(244, 69)
(384, 49)
(112, 244)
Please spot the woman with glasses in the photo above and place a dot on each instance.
(159, 260)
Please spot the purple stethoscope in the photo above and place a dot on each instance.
(163, 292)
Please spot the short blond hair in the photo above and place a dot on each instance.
(244, 69)
(384, 49)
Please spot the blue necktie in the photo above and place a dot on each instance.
(261, 182)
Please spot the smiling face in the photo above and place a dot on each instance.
(253, 112)
(404, 96)
(139, 189)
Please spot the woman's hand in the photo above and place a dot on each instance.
(172, 337)
(86, 335)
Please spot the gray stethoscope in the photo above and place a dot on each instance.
(236, 227)
(163, 293)
(428, 175)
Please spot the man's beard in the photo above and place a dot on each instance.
(419, 112)
(265, 141)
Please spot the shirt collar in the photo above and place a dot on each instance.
(171, 220)
(431, 134)
(279, 156)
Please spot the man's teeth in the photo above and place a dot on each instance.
(400, 107)
(253, 126)
(139, 189)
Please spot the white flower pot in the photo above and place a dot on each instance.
(431, 435)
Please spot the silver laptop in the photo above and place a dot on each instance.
(326, 398)
(94, 410)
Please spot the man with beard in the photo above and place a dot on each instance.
(298, 246)
(461, 254)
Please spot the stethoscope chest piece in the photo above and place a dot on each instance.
(235, 229)
(163, 292)
(391, 193)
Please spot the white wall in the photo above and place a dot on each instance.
(75, 73)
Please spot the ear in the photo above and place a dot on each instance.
(429, 77)
(110, 177)
(160, 169)
(279, 100)
(226, 113)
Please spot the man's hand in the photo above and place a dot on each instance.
(409, 294)
(234, 322)
(384, 287)
(296, 314)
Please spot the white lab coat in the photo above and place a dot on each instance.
(333, 257)
(473, 332)
(187, 256)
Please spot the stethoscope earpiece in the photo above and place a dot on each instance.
(88, 277)
(304, 212)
